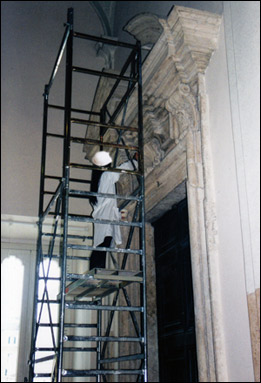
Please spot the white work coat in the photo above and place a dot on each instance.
(106, 208)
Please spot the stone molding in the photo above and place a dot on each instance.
(144, 27)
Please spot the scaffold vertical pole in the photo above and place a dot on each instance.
(66, 174)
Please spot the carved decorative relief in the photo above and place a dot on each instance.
(157, 134)
(167, 122)
(145, 27)
(156, 121)
(153, 155)
(183, 111)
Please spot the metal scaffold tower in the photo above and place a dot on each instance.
(90, 290)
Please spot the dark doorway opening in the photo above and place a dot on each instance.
(176, 324)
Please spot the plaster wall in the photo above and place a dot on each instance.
(229, 213)
(31, 36)
(242, 31)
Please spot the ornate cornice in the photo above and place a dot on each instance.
(192, 37)
(170, 81)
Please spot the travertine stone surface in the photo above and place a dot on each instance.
(176, 162)
(144, 27)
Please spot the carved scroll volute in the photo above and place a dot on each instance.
(183, 112)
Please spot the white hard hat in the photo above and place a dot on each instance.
(101, 158)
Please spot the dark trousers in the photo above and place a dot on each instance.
(98, 258)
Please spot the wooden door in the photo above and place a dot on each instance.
(176, 327)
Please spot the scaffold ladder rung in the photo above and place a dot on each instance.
(112, 249)
(67, 349)
(103, 195)
(79, 373)
(105, 74)
(80, 218)
(111, 170)
(85, 306)
(80, 325)
(70, 338)
(104, 40)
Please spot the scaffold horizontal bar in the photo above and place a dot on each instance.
(104, 40)
(74, 325)
(48, 324)
(72, 257)
(104, 169)
(68, 236)
(81, 325)
(87, 306)
(74, 338)
(74, 110)
(103, 74)
(112, 249)
(78, 180)
(107, 126)
(68, 349)
(88, 141)
(49, 301)
(50, 278)
(82, 349)
(103, 221)
(103, 195)
(77, 276)
(79, 373)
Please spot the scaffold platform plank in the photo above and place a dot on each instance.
(101, 282)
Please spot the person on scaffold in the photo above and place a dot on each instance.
(106, 235)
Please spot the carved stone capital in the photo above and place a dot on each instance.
(183, 110)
